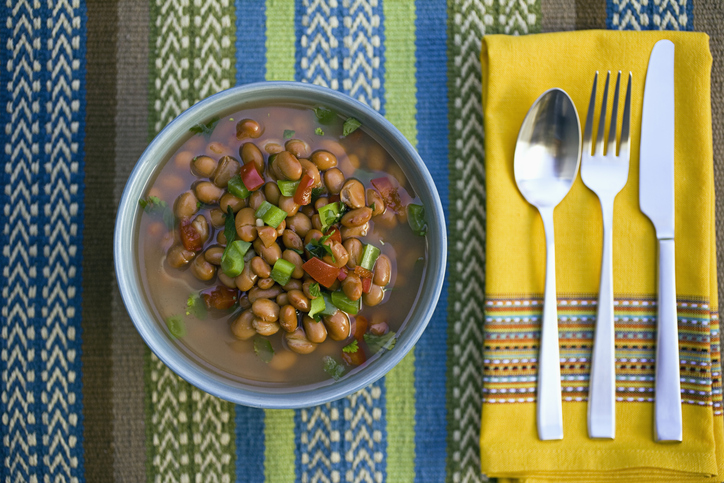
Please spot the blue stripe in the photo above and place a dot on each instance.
(250, 41)
(44, 91)
(432, 144)
(629, 16)
(250, 67)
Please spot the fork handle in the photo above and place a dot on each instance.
(549, 406)
(602, 385)
(667, 406)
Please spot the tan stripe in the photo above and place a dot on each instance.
(708, 15)
(98, 240)
(590, 14)
(129, 438)
(558, 15)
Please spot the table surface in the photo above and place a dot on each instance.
(86, 84)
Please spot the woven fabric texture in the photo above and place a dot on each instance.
(85, 85)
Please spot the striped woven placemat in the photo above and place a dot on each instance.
(87, 83)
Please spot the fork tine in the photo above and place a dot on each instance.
(589, 118)
(624, 146)
(602, 121)
(611, 149)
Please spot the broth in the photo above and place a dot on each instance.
(209, 337)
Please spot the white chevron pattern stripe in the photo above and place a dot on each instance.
(20, 228)
(320, 61)
(362, 40)
(192, 434)
(650, 15)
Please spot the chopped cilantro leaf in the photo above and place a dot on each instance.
(333, 368)
(350, 125)
(377, 343)
(154, 205)
(314, 290)
(195, 306)
(319, 131)
(229, 227)
(318, 249)
(351, 348)
(288, 134)
(324, 115)
(205, 129)
(176, 326)
(316, 193)
(373, 206)
(263, 349)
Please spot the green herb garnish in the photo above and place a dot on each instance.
(288, 134)
(319, 131)
(351, 348)
(373, 206)
(176, 326)
(324, 115)
(318, 249)
(317, 192)
(377, 343)
(416, 219)
(154, 205)
(314, 290)
(350, 125)
(316, 307)
(263, 349)
(205, 129)
(229, 227)
(332, 367)
(195, 306)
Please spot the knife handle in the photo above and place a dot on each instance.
(602, 384)
(667, 406)
(549, 406)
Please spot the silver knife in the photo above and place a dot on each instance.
(656, 198)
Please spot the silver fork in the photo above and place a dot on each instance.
(605, 175)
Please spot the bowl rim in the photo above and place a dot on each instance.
(127, 269)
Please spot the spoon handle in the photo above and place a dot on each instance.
(549, 407)
(602, 386)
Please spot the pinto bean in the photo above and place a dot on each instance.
(256, 293)
(202, 269)
(267, 235)
(265, 327)
(177, 256)
(299, 223)
(248, 128)
(246, 279)
(298, 300)
(227, 199)
(288, 318)
(316, 331)
(374, 297)
(353, 194)
(256, 199)
(375, 201)
(265, 309)
(383, 271)
(287, 204)
(227, 168)
(260, 267)
(291, 240)
(241, 326)
(265, 283)
(287, 166)
(338, 326)
(213, 254)
(297, 342)
(311, 170)
(334, 180)
(269, 254)
(355, 249)
(324, 159)
(250, 153)
(357, 217)
(296, 259)
(341, 257)
(272, 193)
(297, 147)
(347, 232)
(203, 166)
(352, 286)
(246, 224)
(207, 192)
(225, 279)
(186, 205)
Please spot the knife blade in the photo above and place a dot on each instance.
(656, 199)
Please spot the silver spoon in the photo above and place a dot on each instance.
(547, 156)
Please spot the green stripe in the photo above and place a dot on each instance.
(400, 83)
(280, 40)
(279, 438)
(467, 188)
(279, 446)
(190, 434)
(400, 110)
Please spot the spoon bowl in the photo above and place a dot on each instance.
(547, 157)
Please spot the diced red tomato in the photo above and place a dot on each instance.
(250, 177)
(190, 238)
(321, 271)
(342, 273)
(354, 358)
(360, 327)
(389, 194)
(335, 234)
(220, 297)
(362, 272)
(366, 285)
(303, 195)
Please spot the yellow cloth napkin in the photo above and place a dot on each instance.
(516, 70)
